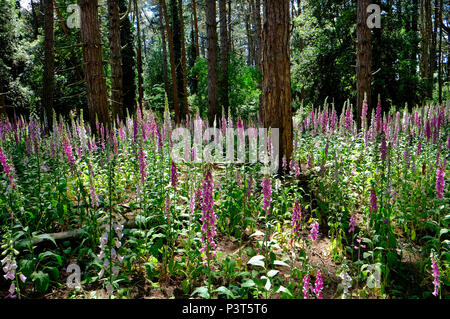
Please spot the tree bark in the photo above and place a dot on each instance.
(116, 59)
(276, 86)
(194, 12)
(128, 58)
(257, 21)
(49, 63)
(224, 55)
(211, 27)
(164, 49)
(183, 61)
(139, 56)
(363, 58)
(439, 19)
(93, 63)
(176, 106)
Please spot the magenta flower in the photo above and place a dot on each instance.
(314, 231)
(173, 174)
(383, 148)
(318, 285)
(297, 216)
(373, 201)
(208, 216)
(94, 196)
(419, 148)
(352, 224)
(306, 285)
(378, 117)
(142, 164)
(267, 192)
(436, 274)
(440, 182)
(68, 151)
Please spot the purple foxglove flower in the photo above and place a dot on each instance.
(352, 224)
(383, 148)
(173, 174)
(314, 231)
(306, 286)
(373, 201)
(318, 285)
(267, 192)
(440, 182)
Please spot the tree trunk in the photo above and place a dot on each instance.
(276, 86)
(93, 64)
(139, 56)
(49, 63)
(194, 11)
(425, 32)
(363, 59)
(257, 41)
(211, 27)
(173, 69)
(116, 59)
(128, 59)
(230, 27)
(224, 55)
(439, 19)
(183, 62)
(164, 49)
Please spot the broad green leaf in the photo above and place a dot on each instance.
(256, 261)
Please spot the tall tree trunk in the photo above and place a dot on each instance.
(433, 31)
(116, 59)
(49, 63)
(224, 55)
(439, 19)
(257, 41)
(425, 32)
(276, 86)
(363, 58)
(194, 12)
(93, 63)
(230, 27)
(249, 39)
(164, 49)
(177, 49)
(173, 69)
(211, 27)
(128, 58)
(139, 56)
(183, 61)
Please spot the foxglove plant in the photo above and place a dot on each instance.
(440, 182)
(436, 276)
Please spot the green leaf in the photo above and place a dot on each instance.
(248, 283)
(41, 281)
(284, 290)
(281, 263)
(443, 232)
(46, 254)
(225, 291)
(268, 284)
(46, 236)
(256, 261)
(202, 292)
(272, 273)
